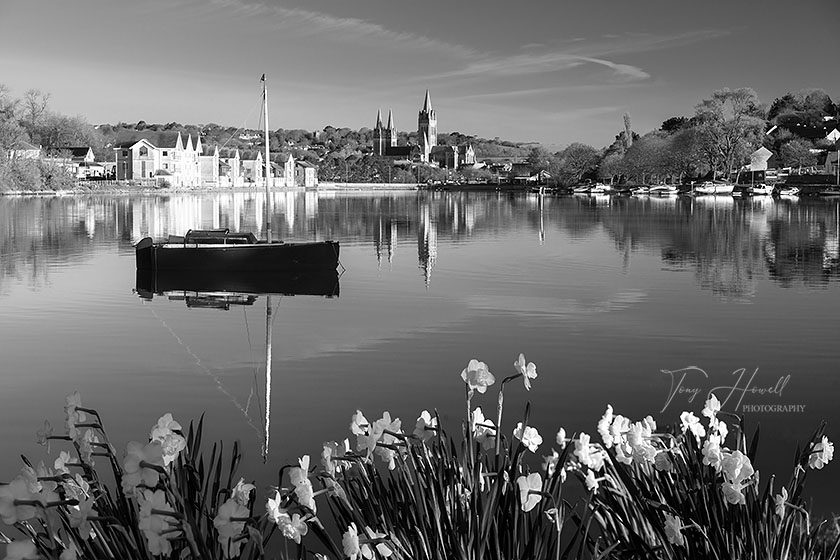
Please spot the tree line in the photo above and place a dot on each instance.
(715, 141)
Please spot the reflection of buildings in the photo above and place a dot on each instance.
(427, 242)
(385, 240)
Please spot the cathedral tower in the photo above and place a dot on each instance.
(427, 128)
(391, 130)
(379, 141)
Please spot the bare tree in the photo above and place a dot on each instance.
(34, 110)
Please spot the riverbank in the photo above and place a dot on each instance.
(117, 188)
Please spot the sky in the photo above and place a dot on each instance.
(548, 71)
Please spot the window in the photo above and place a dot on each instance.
(165, 153)
(125, 153)
(144, 151)
(166, 165)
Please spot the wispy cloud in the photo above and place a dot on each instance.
(302, 22)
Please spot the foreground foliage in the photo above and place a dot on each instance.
(422, 494)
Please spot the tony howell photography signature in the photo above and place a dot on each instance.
(692, 380)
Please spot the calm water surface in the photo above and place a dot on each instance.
(602, 294)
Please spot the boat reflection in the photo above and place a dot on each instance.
(228, 289)
(234, 286)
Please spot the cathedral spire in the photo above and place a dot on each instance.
(427, 104)
(390, 119)
(378, 118)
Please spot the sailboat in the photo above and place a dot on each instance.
(212, 251)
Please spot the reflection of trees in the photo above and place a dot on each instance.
(802, 244)
(725, 242)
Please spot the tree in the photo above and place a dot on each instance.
(576, 162)
(674, 124)
(797, 153)
(538, 158)
(34, 109)
(732, 125)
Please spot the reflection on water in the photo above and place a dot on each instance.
(723, 241)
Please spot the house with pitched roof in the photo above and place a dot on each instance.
(24, 150)
(160, 156)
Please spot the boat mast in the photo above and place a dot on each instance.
(267, 376)
(267, 165)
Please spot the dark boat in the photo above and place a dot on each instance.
(212, 251)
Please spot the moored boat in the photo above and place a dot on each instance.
(663, 189)
(714, 187)
(600, 188)
(221, 250)
(788, 191)
(761, 189)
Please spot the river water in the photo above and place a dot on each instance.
(603, 294)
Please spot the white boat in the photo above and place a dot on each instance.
(600, 188)
(761, 189)
(581, 189)
(640, 190)
(714, 187)
(788, 191)
(663, 189)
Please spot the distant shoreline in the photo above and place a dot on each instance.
(111, 189)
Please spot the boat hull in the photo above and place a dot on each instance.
(251, 257)
(716, 188)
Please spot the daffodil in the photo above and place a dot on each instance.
(153, 521)
(781, 500)
(604, 425)
(299, 474)
(736, 467)
(426, 426)
(85, 444)
(273, 509)
(306, 495)
(529, 437)
(527, 371)
(691, 423)
(821, 453)
(64, 458)
(28, 474)
(165, 426)
(21, 550)
(16, 490)
(733, 493)
(561, 439)
(80, 517)
(72, 413)
(483, 430)
(359, 424)
(530, 490)
(44, 435)
(329, 453)
(588, 454)
(477, 376)
(711, 408)
(293, 528)
(241, 493)
(350, 542)
(138, 465)
(712, 453)
(229, 523)
(673, 529)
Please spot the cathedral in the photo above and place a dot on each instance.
(427, 149)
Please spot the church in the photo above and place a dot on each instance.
(427, 149)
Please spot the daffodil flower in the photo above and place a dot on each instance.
(588, 454)
(781, 500)
(16, 490)
(550, 463)
(331, 450)
(530, 490)
(43, 435)
(736, 467)
(691, 423)
(529, 437)
(673, 529)
(483, 430)
(350, 542)
(165, 426)
(561, 439)
(229, 523)
(293, 528)
(299, 474)
(426, 426)
(712, 453)
(821, 453)
(477, 376)
(711, 408)
(733, 493)
(80, 517)
(63, 460)
(241, 493)
(138, 465)
(359, 424)
(153, 521)
(527, 371)
(273, 509)
(604, 425)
